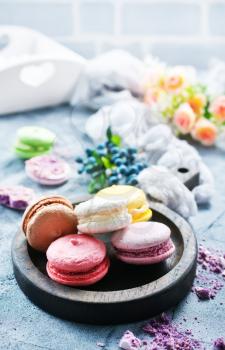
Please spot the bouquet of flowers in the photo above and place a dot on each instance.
(181, 100)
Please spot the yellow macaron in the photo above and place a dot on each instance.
(137, 203)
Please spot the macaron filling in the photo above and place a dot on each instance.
(147, 252)
(37, 207)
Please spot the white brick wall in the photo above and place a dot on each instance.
(178, 31)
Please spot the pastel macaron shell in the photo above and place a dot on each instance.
(100, 215)
(136, 200)
(48, 170)
(143, 243)
(77, 260)
(33, 141)
(16, 197)
(48, 219)
(36, 136)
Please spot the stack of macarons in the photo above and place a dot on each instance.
(33, 141)
(68, 236)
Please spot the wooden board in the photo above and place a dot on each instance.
(128, 293)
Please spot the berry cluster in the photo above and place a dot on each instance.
(110, 164)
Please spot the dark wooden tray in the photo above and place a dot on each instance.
(128, 293)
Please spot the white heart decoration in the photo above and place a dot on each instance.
(38, 74)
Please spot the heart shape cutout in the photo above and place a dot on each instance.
(37, 74)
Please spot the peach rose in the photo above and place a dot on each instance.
(173, 82)
(151, 96)
(197, 103)
(218, 108)
(205, 132)
(184, 118)
(178, 77)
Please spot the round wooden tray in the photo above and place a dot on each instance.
(128, 293)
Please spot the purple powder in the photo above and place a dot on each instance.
(203, 293)
(167, 336)
(219, 344)
(211, 270)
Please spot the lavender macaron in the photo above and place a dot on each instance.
(16, 197)
(143, 243)
(48, 170)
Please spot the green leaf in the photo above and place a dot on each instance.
(92, 186)
(97, 183)
(106, 162)
(97, 157)
(116, 140)
(109, 133)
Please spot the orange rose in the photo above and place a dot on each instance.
(197, 103)
(218, 108)
(205, 132)
(184, 118)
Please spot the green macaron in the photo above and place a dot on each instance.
(33, 141)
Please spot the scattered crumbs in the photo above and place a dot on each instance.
(211, 272)
(203, 293)
(101, 345)
(167, 336)
(129, 341)
(219, 344)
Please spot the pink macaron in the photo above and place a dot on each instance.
(48, 170)
(143, 243)
(77, 260)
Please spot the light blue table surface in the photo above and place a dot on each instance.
(24, 326)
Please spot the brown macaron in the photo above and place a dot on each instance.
(48, 219)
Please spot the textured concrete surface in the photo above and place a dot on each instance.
(24, 326)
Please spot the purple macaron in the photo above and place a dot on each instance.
(48, 170)
(143, 243)
(16, 197)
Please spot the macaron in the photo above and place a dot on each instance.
(100, 215)
(48, 170)
(48, 219)
(143, 243)
(137, 203)
(33, 141)
(77, 260)
(16, 197)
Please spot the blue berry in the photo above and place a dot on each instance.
(114, 172)
(123, 169)
(132, 150)
(115, 150)
(102, 152)
(123, 153)
(89, 152)
(114, 158)
(132, 180)
(79, 160)
(140, 166)
(133, 170)
(91, 160)
(119, 161)
(132, 158)
(101, 146)
(81, 170)
(89, 169)
(145, 165)
(113, 180)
